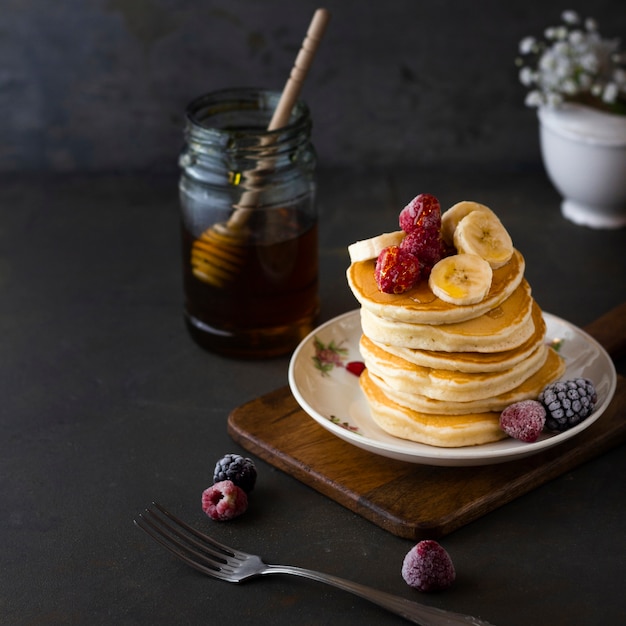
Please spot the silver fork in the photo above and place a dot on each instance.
(219, 561)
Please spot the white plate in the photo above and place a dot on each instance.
(334, 398)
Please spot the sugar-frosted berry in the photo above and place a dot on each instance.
(240, 470)
(224, 501)
(428, 567)
(422, 212)
(427, 246)
(568, 403)
(523, 420)
(396, 270)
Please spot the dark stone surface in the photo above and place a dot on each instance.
(102, 84)
(107, 405)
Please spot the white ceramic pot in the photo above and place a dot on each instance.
(584, 153)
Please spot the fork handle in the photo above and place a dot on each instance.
(412, 611)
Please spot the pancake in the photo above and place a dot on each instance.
(420, 306)
(436, 430)
(473, 361)
(506, 327)
(552, 368)
(448, 385)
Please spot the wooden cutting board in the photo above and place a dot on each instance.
(410, 500)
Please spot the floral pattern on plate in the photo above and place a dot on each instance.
(328, 355)
(327, 358)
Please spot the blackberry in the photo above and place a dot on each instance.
(568, 403)
(237, 469)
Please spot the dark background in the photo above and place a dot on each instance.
(106, 404)
(101, 85)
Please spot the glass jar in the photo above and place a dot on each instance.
(249, 224)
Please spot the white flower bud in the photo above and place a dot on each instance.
(550, 33)
(534, 99)
(526, 76)
(576, 38)
(527, 45)
(570, 17)
(561, 32)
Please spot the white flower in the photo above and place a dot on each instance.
(548, 62)
(619, 77)
(610, 93)
(561, 49)
(527, 45)
(569, 87)
(526, 76)
(577, 38)
(589, 62)
(534, 99)
(555, 33)
(570, 17)
(572, 61)
(553, 99)
(564, 68)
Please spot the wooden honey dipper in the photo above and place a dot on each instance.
(217, 255)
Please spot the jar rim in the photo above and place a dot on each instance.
(254, 99)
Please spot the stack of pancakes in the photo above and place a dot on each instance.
(439, 373)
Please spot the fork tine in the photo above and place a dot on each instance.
(205, 539)
(149, 528)
(206, 560)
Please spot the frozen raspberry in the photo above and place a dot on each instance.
(240, 470)
(523, 420)
(355, 367)
(396, 270)
(428, 567)
(427, 246)
(568, 403)
(422, 212)
(224, 501)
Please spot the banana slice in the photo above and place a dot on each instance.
(484, 234)
(371, 248)
(451, 217)
(461, 279)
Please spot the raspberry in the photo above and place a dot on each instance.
(396, 270)
(427, 246)
(355, 367)
(428, 567)
(523, 420)
(568, 403)
(422, 212)
(237, 469)
(224, 501)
